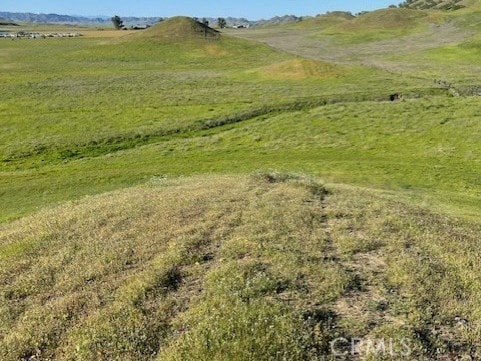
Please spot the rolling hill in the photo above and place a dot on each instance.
(375, 39)
(179, 28)
(261, 267)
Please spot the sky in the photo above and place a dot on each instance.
(250, 9)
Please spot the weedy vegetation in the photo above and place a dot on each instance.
(183, 194)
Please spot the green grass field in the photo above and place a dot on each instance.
(175, 196)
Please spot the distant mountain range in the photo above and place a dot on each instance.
(8, 18)
(69, 19)
(130, 21)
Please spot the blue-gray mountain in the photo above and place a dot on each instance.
(130, 21)
(69, 19)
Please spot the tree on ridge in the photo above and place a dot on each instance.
(221, 23)
(117, 21)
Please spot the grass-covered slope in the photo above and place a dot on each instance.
(111, 113)
(397, 40)
(426, 148)
(97, 96)
(369, 26)
(108, 94)
(273, 266)
(179, 28)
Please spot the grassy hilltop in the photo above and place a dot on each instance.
(271, 266)
(181, 193)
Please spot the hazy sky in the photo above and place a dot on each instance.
(251, 9)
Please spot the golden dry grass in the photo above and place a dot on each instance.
(300, 69)
(216, 50)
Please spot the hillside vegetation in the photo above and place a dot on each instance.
(107, 95)
(272, 266)
(251, 195)
(434, 4)
(179, 28)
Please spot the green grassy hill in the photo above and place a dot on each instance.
(179, 28)
(254, 195)
(415, 44)
(213, 268)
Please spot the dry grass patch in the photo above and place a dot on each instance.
(300, 69)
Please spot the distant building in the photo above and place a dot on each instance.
(139, 27)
